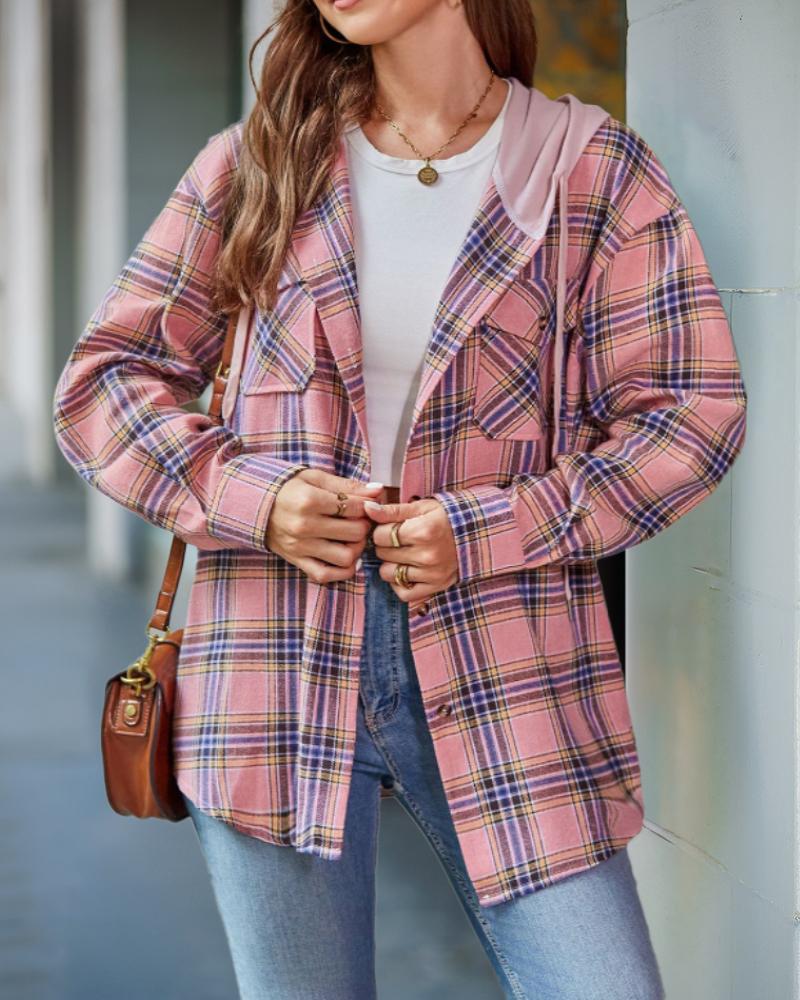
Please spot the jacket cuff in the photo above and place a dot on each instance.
(243, 499)
(487, 536)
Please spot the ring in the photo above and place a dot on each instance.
(401, 575)
(394, 534)
(342, 498)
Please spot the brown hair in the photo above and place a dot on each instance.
(310, 88)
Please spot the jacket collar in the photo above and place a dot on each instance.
(540, 142)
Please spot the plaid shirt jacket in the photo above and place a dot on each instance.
(580, 393)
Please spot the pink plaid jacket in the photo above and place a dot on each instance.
(581, 392)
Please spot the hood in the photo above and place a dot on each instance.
(531, 175)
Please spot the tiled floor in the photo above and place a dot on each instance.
(94, 905)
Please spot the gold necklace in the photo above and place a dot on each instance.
(428, 174)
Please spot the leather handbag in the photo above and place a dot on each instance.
(136, 736)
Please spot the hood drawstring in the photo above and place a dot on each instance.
(558, 360)
(561, 287)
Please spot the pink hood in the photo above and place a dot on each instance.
(541, 142)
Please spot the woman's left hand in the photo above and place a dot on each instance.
(427, 546)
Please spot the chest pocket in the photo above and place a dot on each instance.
(512, 366)
(281, 354)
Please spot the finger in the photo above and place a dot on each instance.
(417, 592)
(339, 484)
(384, 547)
(414, 555)
(339, 529)
(383, 512)
(336, 553)
(321, 572)
(417, 595)
(320, 501)
(414, 574)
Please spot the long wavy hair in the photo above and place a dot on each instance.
(310, 88)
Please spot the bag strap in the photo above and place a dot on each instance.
(172, 574)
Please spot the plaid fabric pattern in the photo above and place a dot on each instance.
(521, 679)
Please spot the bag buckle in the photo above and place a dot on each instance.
(140, 675)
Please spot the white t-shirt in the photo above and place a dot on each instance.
(406, 238)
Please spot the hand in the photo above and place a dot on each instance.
(304, 528)
(427, 546)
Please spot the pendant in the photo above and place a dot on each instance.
(427, 174)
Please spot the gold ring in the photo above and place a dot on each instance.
(394, 534)
(401, 575)
(342, 498)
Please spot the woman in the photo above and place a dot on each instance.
(490, 311)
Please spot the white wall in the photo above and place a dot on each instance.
(26, 439)
(712, 607)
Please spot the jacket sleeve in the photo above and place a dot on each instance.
(152, 345)
(663, 389)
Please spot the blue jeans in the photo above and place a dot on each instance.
(300, 926)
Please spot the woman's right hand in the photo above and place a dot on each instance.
(304, 529)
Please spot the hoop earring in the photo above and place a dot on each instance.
(333, 38)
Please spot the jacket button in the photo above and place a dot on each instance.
(444, 709)
(423, 608)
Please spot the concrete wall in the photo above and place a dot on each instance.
(712, 610)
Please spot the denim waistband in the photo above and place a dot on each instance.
(369, 555)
